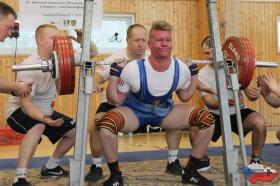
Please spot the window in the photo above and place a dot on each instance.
(110, 37)
(278, 33)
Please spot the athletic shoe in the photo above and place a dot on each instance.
(204, 164)
(55, 172)
(94, 174)
(22, 182)
(194, 178)
(114, 180)
(174, 168)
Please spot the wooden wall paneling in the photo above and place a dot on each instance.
(271, 50)
(273, 55)
(263, 26)
(177, 30)
(259, 25)
(202, 25)
(12, 3)
(189, 19)
(195, 44)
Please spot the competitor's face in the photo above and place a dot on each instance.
(160, 43)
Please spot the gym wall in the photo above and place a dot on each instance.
(253, 19)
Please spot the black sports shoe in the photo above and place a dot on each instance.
(94, 174)
(204, 164)
(22, 182)
(114, 180)
(55, 172)
(174, 168)
(256, 161)
(194, 178)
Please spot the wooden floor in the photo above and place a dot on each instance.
(135, 173)
(138, 142)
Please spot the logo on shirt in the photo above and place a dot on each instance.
(156, 102)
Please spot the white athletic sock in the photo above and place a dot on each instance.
(52, 163)
(20, 173)
(97, 161)
(172, 155)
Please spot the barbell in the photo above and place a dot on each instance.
(240, 51)
(62, 63)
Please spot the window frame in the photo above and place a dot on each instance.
(278, 33)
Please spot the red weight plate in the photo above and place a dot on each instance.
(240, 51)
(62, 64)
(245, 75)
(71, 52)
(66, 82)
(70, 64)
(251, 58)
(58, 49)
(252, 53)
(65, 67)
(231, 53)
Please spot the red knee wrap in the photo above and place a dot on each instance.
(201, 118)
(113, 121)
(97, 123)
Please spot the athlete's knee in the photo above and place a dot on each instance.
(113, 121)
(258, 123)
(259, 128)
(201, 118)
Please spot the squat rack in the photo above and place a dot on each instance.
(230, 154)
(77, 164)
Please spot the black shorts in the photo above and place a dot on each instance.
(234, 128)
(105, 107)
(21, 123)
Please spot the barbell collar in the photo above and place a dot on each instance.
(26, 67)
(46, 67)
(266, 64)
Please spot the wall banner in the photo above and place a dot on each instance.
(65, 14)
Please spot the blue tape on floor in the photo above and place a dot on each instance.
(271, 153)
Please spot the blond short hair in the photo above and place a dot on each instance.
(161, 25)
(40, 29)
